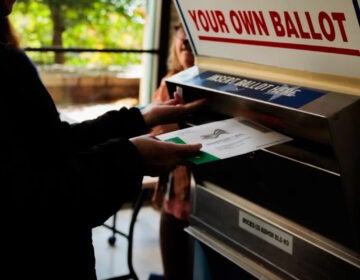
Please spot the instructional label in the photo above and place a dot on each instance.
(266, 232)
(282, 94)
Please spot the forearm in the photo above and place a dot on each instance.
(125, 123)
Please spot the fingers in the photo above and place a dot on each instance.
(172, 102)
(186, 150)
(158, 156)
(178, 98)
(187, 107)
(181, 152)
(196, 104)
(171, 111)
(182, 111)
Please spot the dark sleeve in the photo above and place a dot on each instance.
(100, 180)
(45, 173)
(124, 123)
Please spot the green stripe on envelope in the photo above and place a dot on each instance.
(202, 157)
(177, 140)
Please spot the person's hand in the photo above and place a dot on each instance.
(171, 111)
(161, 157)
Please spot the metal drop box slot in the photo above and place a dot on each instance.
(291, 211)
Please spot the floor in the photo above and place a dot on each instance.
(111, 260)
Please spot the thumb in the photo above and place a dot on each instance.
(185, 150)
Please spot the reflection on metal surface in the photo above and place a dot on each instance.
(293, 208)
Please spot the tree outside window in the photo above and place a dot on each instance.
(97, 24)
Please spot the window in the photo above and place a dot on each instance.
(92, 51)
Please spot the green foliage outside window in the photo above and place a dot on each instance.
(96, 24)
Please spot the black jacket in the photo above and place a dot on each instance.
(58, 181)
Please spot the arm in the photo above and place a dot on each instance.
(45, 172)
(124, 123)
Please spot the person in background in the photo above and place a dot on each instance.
(172, 193)
(60, 180)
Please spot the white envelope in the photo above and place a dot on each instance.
(227, 138)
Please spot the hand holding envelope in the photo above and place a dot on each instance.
(227, 138)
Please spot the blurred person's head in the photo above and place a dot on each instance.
(181, 55)
(7, 34)
(6, 7)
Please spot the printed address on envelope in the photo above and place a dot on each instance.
(227, 138)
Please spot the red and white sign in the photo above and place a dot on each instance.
(318, 36)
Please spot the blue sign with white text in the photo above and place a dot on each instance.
(282, 94)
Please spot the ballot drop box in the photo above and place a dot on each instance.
(288, 210)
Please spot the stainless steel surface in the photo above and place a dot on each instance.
(310, 121)
(254, 268)
(306, 191)
(307, 255)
